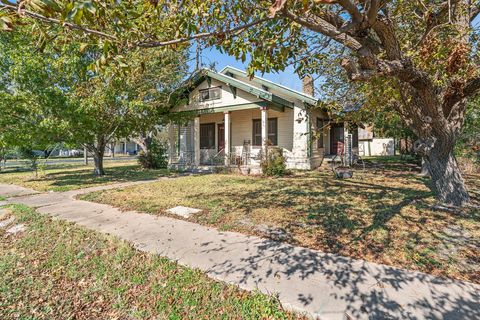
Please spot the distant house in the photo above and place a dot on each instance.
(237, 118)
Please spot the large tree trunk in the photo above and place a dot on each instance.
(446, 176)
(98, 162)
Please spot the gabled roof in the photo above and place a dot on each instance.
(225, 77)
(306, 98)
(244, 86)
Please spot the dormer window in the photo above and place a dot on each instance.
(214, 93)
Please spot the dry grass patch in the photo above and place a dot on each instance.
(386, 215)
(56, 270)
(77, 177)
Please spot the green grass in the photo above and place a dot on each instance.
(56, 270)
(66, 178)
(386, 214)
(2, 198)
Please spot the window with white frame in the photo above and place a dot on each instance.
(209, 94)
(272, 131)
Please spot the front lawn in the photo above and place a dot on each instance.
(56, 270)
(386, 214)
(66, 178)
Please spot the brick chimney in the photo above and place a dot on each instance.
(307, 84)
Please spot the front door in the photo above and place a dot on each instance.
(221, 137)
(337, 139)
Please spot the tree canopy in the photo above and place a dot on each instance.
(56, 94)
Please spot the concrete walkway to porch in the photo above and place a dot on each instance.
(326, 286)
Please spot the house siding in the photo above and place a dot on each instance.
(242, 128)
(319, 153)
(227, 99)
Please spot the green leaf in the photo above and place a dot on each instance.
(83, 47)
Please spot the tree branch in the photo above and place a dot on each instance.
(319, 25)
(472, 87)
(64, 24)
(352, 10)
(373, 11)
(233, 31)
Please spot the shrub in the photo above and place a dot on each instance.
(155, 157)
(274, 163)
(31, 156)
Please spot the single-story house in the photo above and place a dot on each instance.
(123, 146)
(236, 118)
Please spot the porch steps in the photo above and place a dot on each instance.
(330, 159)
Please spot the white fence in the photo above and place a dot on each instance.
(377, 147)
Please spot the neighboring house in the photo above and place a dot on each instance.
(123, 146)
(236, 119)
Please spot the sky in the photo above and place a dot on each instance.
(287, 78)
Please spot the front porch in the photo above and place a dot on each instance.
(239, 136)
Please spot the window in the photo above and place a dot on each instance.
(320, 124)
(210, 94)
(272, 131)
(207, 136)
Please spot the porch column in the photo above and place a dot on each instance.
(125, 146)
(226, 115)
(196, 140)
(171, 143)
(264, 111)
(301, 138)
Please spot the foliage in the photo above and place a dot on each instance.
(274, 163)
(155, 157)
(57, 95)
(469, 142)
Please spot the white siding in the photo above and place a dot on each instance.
(227, 99)
(242, 125)
(318, 153)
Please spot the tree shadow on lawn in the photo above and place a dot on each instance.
(393, 164)
(85, 177)
(331, 207)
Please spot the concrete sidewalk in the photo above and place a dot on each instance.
(326, 286)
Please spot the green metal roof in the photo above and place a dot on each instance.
(287, 91)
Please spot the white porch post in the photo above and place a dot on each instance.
(264, 111)
(196, 140)
(171, 143)
(125, 146)
(226, 115)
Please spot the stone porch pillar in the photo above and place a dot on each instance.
(172, 150)
(196, 140)
(301, 139)
(264, 120)
(226, 115)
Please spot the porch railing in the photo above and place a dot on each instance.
(184, 158)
